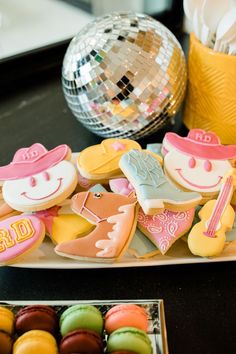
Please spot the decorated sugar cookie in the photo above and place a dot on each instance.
(154, 192)
(62, 224)
(101, 162)
(19, 235)
(197, 162)
(38, 179)
(115, 218)
(6, 211)
(162, 229)
(207, 237)
(166, 228)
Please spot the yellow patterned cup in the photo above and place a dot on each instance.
(210, 102)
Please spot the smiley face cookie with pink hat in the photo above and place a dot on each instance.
(38, 178)
(197, 162)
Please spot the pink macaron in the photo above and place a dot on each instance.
(126, 315)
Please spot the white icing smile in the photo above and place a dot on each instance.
(45, 196)
(43, 189)
(195, 174)
(179, 170)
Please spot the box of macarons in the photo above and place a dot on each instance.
(85, 327)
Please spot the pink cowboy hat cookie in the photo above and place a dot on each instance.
(201, 144)
(32, 160)
(38, 179)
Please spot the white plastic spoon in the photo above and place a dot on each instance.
(232, 48)
(190, 6)
(212, 12)
(197, 24)
(226, 29)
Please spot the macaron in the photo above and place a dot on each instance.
(83, 341)
(6, 320)
(5, 343)
(129, 339)
(81, 317)
(40, 317)
(35, 342)
(126, 315)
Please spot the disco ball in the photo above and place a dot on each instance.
(124, 75)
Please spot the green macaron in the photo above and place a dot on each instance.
(81, 317)
(129, 338)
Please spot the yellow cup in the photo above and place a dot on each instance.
(210, 103)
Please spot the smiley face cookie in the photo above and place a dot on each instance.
(38, 179)
(197, 162)
(101, 162)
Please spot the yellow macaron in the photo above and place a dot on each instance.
(35, 342)
(6, 320)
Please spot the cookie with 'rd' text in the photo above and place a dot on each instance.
(38, 179)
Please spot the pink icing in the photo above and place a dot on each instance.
(165, 228)
(18, 234)
(46, 175)
(84, 182)
(30, 161)
(222, 202)
(203, 137)
(201, 144)
(207, 165)
(192, 162)
(117, 146)
(47, 216)
(179, 170)
(45, 196)
(121, 186)
(32, 181)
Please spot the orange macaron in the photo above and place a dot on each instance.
(126, 315)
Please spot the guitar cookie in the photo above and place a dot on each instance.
(207, 238)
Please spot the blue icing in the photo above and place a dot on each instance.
(97, 188)
(156, 148)
(142, 246)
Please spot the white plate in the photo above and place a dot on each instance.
(45, 257)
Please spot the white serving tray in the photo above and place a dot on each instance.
(45, 257)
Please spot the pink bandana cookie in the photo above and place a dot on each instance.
(166, 228)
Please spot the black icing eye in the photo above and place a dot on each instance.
(97, 195)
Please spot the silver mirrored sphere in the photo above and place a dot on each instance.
(124, 75)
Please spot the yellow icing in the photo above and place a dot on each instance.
(103, 158)
(207, 245)
(6, 240)
(23, 229)
(68, 227)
